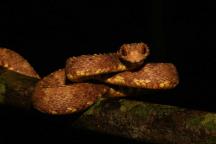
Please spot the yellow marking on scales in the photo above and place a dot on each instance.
(89, 102)
(118, 79)
(11, 68)
(81, 73)
(77, 72)
(121, 67)
(99, 71)
(147, 81)
(165, 84)
(69, 109)
(141, 82)
(70, 76)
(116, 93)
(104, 70)
(54, 112)
(5, 65)
(111, 90)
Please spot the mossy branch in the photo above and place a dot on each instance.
(163, 124)
(137, 120)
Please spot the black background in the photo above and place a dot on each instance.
(46, 33)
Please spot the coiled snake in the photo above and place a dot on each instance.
(87, 78)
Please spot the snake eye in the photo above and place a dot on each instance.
(123, 52)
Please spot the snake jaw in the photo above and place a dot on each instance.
(134, 52)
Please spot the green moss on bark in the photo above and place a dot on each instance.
(2, 91)
(211, 140)
(150, 122)
(209, 121)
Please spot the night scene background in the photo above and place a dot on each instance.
(46, 33)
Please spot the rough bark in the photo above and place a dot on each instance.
(150, 122)
(136, 120)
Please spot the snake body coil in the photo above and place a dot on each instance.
(125, 68)
(13, 61)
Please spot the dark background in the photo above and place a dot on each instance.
(47, 33)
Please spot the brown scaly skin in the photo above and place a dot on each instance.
(13, 61)
(88, 66)
(52, 96)
(66, 99)
(129, 57)
(151, 76)
(57, 78)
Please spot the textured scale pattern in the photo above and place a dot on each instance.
(13, 61)
(86, 66)
(53, 96)
(151, 76)
(67, 99)
(115, 75)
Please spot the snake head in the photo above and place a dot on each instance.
(134, 52)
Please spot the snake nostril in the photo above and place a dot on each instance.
(143, 50)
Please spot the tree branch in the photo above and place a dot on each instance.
(137, 120)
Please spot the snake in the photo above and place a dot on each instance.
(87, 78)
